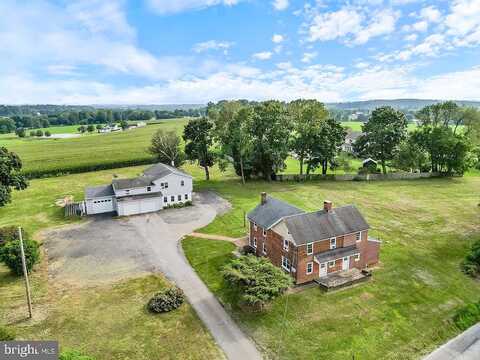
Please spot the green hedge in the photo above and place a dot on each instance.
(36, 174)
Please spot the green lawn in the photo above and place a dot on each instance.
(108, 322)
(404, 312)
(87, 150)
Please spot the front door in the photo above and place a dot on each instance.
(323, 269)
(345, 263)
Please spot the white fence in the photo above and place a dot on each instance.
(357, 177)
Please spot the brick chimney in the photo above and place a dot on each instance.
(327, 205)
(263, 198)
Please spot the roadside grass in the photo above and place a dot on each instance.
(404, 312)
(87, 150)
(112, 322)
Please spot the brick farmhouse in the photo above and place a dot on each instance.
(311, 245)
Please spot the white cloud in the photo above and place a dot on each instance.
(330, 26)
(463, 22)
(431, 14)
(277, 38)
(411, 37)
(280, 4)
(78, 40)
(351, 25)
(212, 45)
(382, 23)
(264, 55)
(177, 6)
(309, 56)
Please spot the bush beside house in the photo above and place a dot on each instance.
(257, 280)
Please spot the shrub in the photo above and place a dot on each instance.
(467, 316)
(9, 233)
(10, 254)
(39, 133)
(471, 264)
(6, 334)
(21, 132)
(33, 133)
(166, 300)
(48, 133)
(257, 279)
(70, 354)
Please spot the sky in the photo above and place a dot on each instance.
(196, 51)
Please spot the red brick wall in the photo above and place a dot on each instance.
(299, 258)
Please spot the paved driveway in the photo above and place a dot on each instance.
(106, 249)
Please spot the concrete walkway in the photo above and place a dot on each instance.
(465, 346)
(214, 237)
(163, 237)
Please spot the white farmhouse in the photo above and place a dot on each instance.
(160, 186)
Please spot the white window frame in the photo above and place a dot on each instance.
(182, 183)
(309, 264)
(165, 199)
(179, 198)
(333, 243)
(172, 198)
(286, 263)
(286, 242)
(254, 242)
(149, 188)
(264, 249)
(186, 196)
(311, 251)
(331, 264)
(358, 236)
(356, 257)
(255, 226)
(264, 232)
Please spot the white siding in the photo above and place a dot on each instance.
(100, 205)
(139, 206)
(175, 188)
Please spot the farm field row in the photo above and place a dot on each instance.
(44, 155)
(402, 313)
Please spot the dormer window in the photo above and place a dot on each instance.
(333, 243)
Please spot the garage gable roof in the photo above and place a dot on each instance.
(98, 191)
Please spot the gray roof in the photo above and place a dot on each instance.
(98, 191)
(160, 170)
(142, 181)
(336, 253)
(273, 210)
(321, 224)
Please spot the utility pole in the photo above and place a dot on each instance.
(25, 273)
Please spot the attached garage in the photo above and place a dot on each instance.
(99, 200)
(139, 205)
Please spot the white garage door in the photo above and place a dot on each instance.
(140, 206)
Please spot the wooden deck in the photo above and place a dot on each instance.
(342, 279)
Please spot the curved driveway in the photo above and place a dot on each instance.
(107, 249)
(163, 231)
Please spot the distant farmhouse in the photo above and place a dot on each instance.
(160, 186)
(312, 246)
(350, 139)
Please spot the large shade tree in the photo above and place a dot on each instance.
(382, 135)
(309, 119)
(270, 132)
(198, 136)
(10, 176)
(167, 148)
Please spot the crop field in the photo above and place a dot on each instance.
(49, 156)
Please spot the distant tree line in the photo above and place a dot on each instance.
(87, 117)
